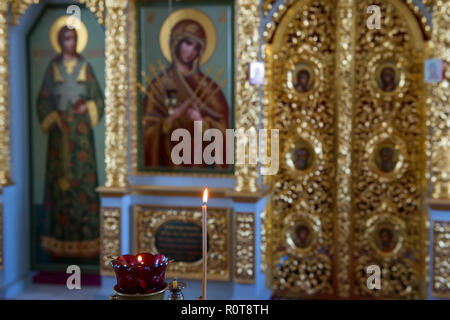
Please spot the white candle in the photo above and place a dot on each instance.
(204, 242)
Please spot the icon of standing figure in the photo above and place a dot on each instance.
(69, 105)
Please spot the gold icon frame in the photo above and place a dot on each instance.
(294, 220)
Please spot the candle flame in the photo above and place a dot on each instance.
(205, 195)
(139, 259)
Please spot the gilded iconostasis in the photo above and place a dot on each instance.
(95, 97)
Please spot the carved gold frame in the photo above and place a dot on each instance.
(305, 133)
(438, 142)
(115, 90)
(316, 67)
(386, 214)
(291, 221)
(273, 36)
(148, 218)
(386, 133)
(379, 59)
(246, 101)
(156, 226)
(1, 237)
(110, 237)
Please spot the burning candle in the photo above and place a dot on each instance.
(204, 243)
(139, 258)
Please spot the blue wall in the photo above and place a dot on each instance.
(16, 219)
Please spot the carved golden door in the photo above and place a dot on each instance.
(350, 106)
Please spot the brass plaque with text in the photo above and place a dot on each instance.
(180, 240)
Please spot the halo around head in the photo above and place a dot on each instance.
(78, 26)
(188, 14)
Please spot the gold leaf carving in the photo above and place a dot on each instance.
(149, 218)
(110, 231)
(441, 259)
(244, 247)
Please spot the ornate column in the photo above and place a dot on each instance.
(440, 112)
(344, 111)
(97, 7)
(116, 142)
(441, 259)
(244, 247)
(4, 92)
(110, 230)
(439, 151)
(247, 96)
(116, 94)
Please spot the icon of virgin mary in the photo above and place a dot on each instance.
(180, 95)
(69, 106)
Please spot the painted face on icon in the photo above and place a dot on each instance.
(302, 156)
(68, 40)
(303, 77)
(188, 51)
(386, 239)
(302, 233)
(388, 79)
(387, 161)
